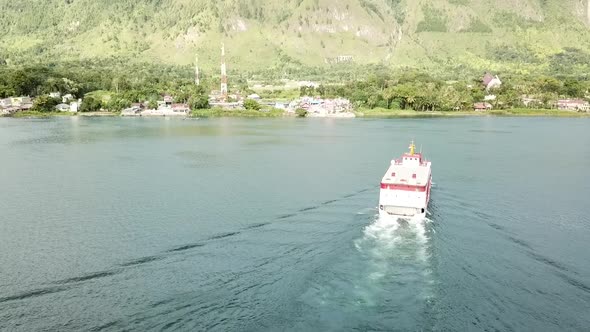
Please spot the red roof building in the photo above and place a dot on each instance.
(482, 106)
(573, 105)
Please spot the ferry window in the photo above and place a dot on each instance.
(393, 174)
(414, 176)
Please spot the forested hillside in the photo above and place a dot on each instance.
(444, 35)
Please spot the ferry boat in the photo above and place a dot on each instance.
(405, 187)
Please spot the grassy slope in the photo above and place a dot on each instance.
(259, 34)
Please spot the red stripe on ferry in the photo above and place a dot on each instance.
(402, 187)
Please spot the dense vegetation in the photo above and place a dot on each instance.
(116, 87)
(418, 91)
(109, 86)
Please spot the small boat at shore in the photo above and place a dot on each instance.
(405, 187)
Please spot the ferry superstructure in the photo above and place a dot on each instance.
(405, 187)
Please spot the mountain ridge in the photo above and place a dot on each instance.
(450, 34)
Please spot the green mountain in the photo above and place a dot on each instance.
(516, 35)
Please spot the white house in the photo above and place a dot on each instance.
(63, 107)
(75, 105)
(5, 102)
(67, 98)
(491, 81)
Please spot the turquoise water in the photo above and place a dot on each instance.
(111, 224)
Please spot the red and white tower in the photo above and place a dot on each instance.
(223, 73)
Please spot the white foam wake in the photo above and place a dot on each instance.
(396, 249)
(387, 233)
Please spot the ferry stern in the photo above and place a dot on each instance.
(405, 187)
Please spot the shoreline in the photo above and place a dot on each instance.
(516, 112)
(363, 113)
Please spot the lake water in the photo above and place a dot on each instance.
(110, 224)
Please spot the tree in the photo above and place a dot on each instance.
(548, 99)
(251, 104)
(372, 101)
(507, 97)
(407, 93)
(182, 96)
(477, 95)
(388, 95)
(90, 104)
(301, 112)
(573, 88)
(45, 104)
(152, 104)
(450, 98)
(548, 84)
(198, 102)
(117, 103)
(5, 90)
(23, 82)
(306, 91)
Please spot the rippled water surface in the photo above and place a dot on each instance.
(270, 225)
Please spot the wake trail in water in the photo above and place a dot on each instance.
(397, 255)
(65, 284)
(382, 281)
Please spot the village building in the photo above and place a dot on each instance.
(10, 110)
(530, 101)
(480, 107)
(19, 101)
(491, 81)
(66, 98)
(228, 106)
(166, 107)
(180, 108)
(25, 107)
(55, 95)
(579, 105)
(134, 110)
(62, 107)
(75, 106)
(5, 103)
(280, 106)
(318, 107)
